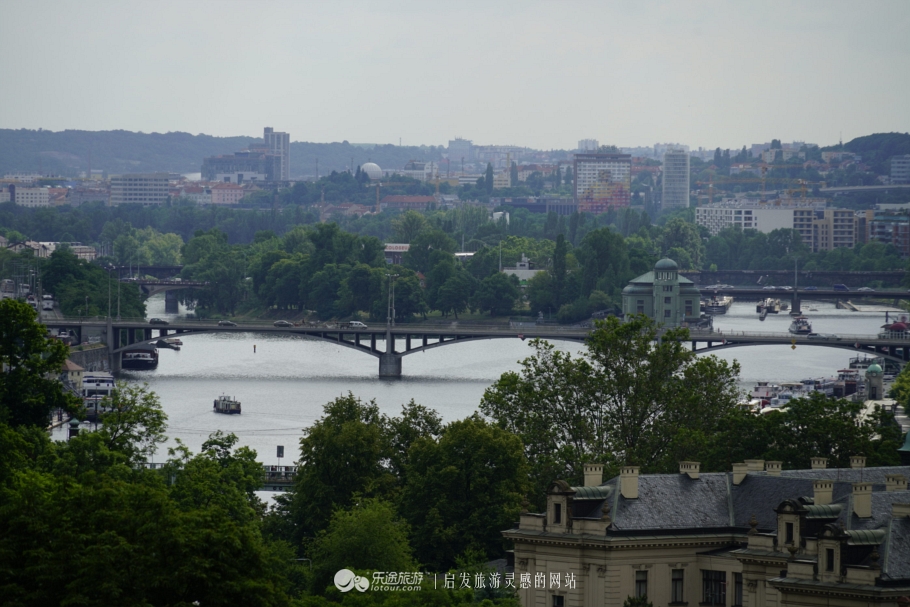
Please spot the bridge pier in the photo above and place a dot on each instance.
(390, 366)
(389, 361)
(170, 302)
(794, 307)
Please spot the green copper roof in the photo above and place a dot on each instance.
(865, 537)
(827, 511)
(592, 493)
(906, 447)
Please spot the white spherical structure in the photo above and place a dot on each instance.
(372, 170)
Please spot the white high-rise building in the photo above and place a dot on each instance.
(30, 197)
(279, 144)
(588, 145)
(675, 179)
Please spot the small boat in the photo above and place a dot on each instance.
(800, 325)
(174, 341)
(227, 404)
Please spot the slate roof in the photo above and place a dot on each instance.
(674, 502)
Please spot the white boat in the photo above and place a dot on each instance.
(227, 404)
(174, 341)
(800, 325)
(718, 305)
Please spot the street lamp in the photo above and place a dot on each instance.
(390, 318)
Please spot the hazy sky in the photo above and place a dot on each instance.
(540, 74)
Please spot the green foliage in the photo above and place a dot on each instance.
(368, 535)
(637, 601)
(626, 400)
(496, 293)
(462, 489)
(28, 359)
(135, 423)
(72, 280)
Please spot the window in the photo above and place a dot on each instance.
(737, 589)
(829, 559)
(557, 514)
(641, 583)
(666, 313)
(667, 301)
(558, 600)
(714, 587)
(789, 532)
(676, 586)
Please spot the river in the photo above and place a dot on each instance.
(284, 384)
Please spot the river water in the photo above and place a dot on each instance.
(284, 384)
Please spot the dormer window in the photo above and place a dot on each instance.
(557, 514)
(789, 532)
(829, 559)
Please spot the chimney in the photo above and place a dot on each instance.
(862, 499)
(628, 482)
(819, 463)
(740, 471)
(900, 510)
(773, 468)
(857, 461)
(594, 475)
(822, 490)
(755, 465)
(895, 482)
(690, 468)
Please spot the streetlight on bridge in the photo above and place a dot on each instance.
(390, 318)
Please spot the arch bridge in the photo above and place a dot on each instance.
(402, 340)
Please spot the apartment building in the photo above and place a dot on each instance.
(891, 228)
(675, 194)
(602, 181)
(226, 193)
(147, 189)
(279, 144)
(758, 536)
(834, 229)
(32, 197)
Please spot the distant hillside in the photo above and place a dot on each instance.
(877, 149)
(67, 152)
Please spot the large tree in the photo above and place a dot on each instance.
(30, 363)
(626, 400)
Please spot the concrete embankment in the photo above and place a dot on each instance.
(93, 357)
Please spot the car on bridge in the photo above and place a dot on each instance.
(226, 323)
(283, 324)
(865, 289)
(158, 321)
(824, 336)
(841, 287)
(810, 288)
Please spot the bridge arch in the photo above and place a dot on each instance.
(821, 343)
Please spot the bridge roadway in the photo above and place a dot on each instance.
(402, 340)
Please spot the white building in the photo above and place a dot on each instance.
(751, 214)
(279, 144)
(602, 181)
(422, 171)
(675, 179)
(900, 169)
(588, 145)
(148, 189)
(30, 197)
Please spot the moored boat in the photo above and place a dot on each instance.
(227, 404)
(718, 304)
(140, 359)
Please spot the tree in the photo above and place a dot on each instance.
(462, 490)
(559, 271)
(368, 535)
(497, 293)
(341, 455)
(625, 400)
(488, 179)
(408, 225)
(135, 423)
(30, 363)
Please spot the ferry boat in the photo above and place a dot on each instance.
(772, 306)
(718, 305)
(97, 387)
(174, 341)
(800, 325)
(140, 359)
(227, 404)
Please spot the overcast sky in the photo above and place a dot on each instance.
(539, 74)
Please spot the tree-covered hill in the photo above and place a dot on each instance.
(877, 149)
(70, 152)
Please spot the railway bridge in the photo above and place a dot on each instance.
(391, 343)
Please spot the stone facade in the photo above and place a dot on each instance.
(663, 295)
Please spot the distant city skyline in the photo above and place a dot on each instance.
(532, 74)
